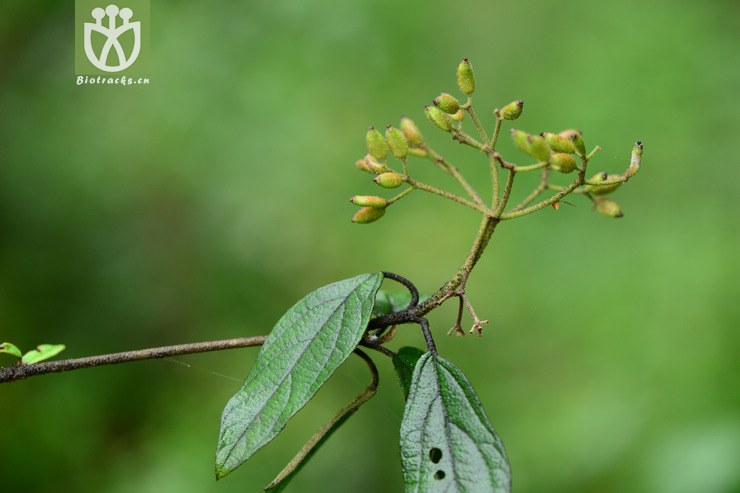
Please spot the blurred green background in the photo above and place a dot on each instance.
(203, 205)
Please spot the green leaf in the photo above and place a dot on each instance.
(387, 302)
(11, 349)
(447, 441)
(404, 363)
(322, 434)
(42, 352)
(306, 346)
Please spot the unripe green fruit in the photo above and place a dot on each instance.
(389, 180)
(608, 207)
(577, 139)
(520, 139)
(411, 131)
(369, 201)
(447, 103)
(397, 142)
(512, 111)
(368, 215)
(558, 143)
(376, 144)
(458, 116)
(562, 162)
(438, 117)
(374, 166)
(465, 78)
(538, 148)
(418, 152)
(602, 189)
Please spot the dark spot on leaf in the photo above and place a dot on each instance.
(439, 475)
(435, 455)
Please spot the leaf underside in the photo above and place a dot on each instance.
(404, 362)
(447, 441)
(304, 348)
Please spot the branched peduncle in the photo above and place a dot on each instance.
(554, 154)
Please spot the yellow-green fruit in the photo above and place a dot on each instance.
(389, 180)
(418, 152)
(368, 215)
(558, 143)
(565, 163)
(369, 200)
(602, 189)
(512, 111)
(438, 117)
(458, 116)
(608, 207)
(361, 165)
(635, 161)
(411, 131)
(538, 148)
(376, 144)
(397, 142)
(465, 78)
(374, 166)
(447, 103)
(520, 139)
(577, 139)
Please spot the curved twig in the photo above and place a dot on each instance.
(325, 431)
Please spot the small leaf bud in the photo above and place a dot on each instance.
(603, 189)
(465, 79)
(558, 143)
(397, 142)
(447, 103)
(411, 131)
(635, 161)
(520, 139)
(389, 180)
(458, 116)
(607, 207)
(438, 117)
(512, 111)
(418, 152)
(368, 215)
(562, 162)
(373, 165)
(369, 201)
(538, 148)
(376, 144)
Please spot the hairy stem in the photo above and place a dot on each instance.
(454, 172)
(447, 195)
(19, 372)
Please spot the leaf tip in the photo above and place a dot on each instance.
(221, 472)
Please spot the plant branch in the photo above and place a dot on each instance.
(448, 167)
(20, 372)
(474, 118)
(442, 193)
(327, 429)
(549, 201)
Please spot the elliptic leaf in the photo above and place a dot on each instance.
(305, 347)
(447, 441)
(42, 352)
